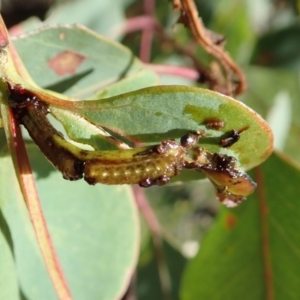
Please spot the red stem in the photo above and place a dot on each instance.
(265, 234)
(27, 183)
(185, 72)
(147, 33)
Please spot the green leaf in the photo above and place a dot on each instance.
(156, 113)
(101, 217)
(252, 252)
(95, 231)
(77, 61)
(20, 247)
(138, 80)
(279, 48)
(8, 277)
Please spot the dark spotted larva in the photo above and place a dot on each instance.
(214, 123)
(146, 167)
(233, 137)
(227, 178)
(232, 185)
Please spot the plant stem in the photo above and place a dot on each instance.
(263, 209)
(147, 33)
(27, 183)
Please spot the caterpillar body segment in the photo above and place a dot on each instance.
(147, 167)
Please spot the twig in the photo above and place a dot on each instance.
(190, 17)
(27, 183)
(185, 72)
(263, 209)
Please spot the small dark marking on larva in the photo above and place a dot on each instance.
(214, 123)
(189, 140)
(233, 137)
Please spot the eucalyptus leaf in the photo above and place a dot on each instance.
(77, 61)
(252, 252)
(97, 255)
(279, 48)
(8, 277)
(20, 250)
(95, 230)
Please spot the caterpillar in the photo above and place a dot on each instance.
(146, 166)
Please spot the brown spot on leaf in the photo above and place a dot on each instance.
(230, 221)
(66, 62)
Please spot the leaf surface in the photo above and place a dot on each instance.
(279, 48)
(77, 61)
(95, 231)
(19, 247)
(253, 252)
